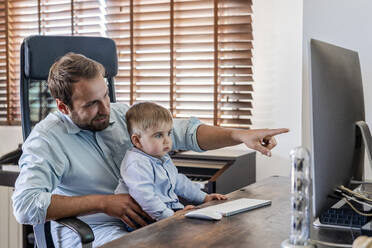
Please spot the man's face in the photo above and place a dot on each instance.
(91, 104)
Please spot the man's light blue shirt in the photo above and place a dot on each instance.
(60, 158)
(156, 184)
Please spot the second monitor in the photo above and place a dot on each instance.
(337, 104)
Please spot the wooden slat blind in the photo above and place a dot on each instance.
(3, 63)
(89, 17)
(195, 59)
(151, 23)
(192, 56)
(23, 20)
(235, 63)
(118, 24)
(55, 17)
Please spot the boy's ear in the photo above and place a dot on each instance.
(136, 140)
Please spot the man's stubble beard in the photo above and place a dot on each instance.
(90, 126)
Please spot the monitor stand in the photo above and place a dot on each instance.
(367, 142)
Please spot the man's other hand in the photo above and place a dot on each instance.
(125, 208)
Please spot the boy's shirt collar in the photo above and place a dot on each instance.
(163, 159)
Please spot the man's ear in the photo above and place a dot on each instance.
(136, 140)
(62, 107)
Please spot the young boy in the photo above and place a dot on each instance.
(148, 171)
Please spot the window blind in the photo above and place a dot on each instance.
(88, 17)
(191, 56)
(118, 24)
(235, 63)
(23, 20)
(3, 63)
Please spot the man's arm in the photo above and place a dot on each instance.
(41, 171)
(262, 140)
(121, 206)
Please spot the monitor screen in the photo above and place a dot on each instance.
(336, 104)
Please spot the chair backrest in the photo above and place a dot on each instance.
(38, 53)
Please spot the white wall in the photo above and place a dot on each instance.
(10, 230)
(347, 24)
(277, 74)
(10, 137)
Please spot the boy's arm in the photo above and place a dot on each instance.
(139, 178)
(189, 190)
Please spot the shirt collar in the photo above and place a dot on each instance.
(112, 119)
(163, 159)
(71, 127)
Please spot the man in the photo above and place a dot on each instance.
(70, 164)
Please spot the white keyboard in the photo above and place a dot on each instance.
(236, 206)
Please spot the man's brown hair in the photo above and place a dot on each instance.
(144, 115)
(70, 69)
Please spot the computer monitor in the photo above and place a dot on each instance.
(337, 103)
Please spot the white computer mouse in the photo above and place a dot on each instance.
(204, 215)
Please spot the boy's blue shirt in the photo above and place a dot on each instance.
(156, 184)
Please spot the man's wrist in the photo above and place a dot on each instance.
(97, 203)
(101, 200)
(236, 135)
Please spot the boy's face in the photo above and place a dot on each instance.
(156, 141)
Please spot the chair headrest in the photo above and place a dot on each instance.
(40, 53)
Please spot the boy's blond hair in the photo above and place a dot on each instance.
(144, 115)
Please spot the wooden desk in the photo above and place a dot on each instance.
(265, 227)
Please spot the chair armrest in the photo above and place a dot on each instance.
(12, 157)
(80, 227)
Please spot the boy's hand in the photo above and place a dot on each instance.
(363, 241)
(212, 197)
(185, 209)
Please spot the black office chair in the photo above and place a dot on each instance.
(38, 53)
